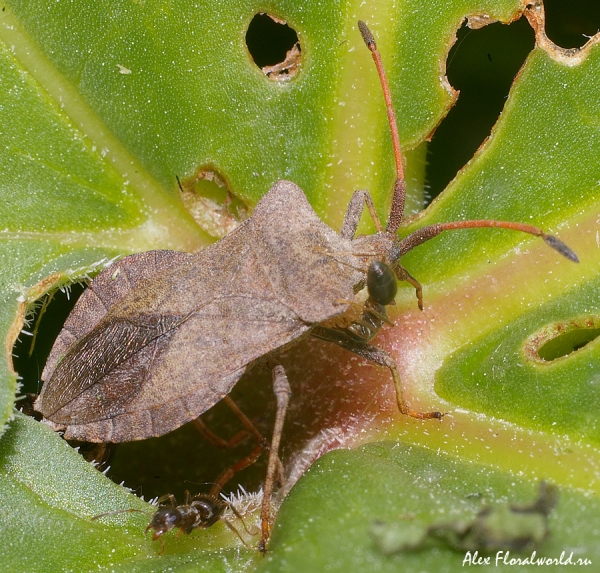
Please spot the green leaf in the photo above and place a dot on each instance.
(49, 493)
(326, 521)
(103, 106)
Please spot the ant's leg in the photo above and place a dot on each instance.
(354, 212)
(373, 354)
(281, 388)
(167, 496)
(233, 528)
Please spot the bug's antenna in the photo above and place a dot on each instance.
(425, 233)
(397, 210)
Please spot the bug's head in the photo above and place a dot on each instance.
(382, 284)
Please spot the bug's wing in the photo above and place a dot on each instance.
(170, 349)
(110, 286)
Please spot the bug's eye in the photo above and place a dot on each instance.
(381, 282)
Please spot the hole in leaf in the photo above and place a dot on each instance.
(561, 339)
(482, 65)
(207, 198)
(568, 342)
(274, 47)
(570, 24)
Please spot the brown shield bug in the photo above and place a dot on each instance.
(160, 337)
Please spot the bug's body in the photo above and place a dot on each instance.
(132, 363)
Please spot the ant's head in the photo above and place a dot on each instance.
(164, 520)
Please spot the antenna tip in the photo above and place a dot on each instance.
(366, 34)
(559, 246)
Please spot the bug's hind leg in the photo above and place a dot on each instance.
(227, 474)
(281, 388)
(216, 440)
(219, 442)
(373, 354)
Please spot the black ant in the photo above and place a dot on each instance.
(198, 512)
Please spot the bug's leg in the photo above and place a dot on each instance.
(216, 440)
(403, 275)
(373, 354)
(219, 442)
(354, 213)
(281, 388)
(227, 474)
(263, 444)
(246, 421)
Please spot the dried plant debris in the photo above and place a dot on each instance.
(208, 199)
(505, 527)
(287, 69)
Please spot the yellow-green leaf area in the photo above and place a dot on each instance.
(332, 517)
(539, 166)
(500, 376)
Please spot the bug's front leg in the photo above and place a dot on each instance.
(354, 213)
(281, 388)
(373, 354)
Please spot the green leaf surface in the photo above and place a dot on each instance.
(49, 494)
(493, 374)
(103, 105)
(326, 520)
